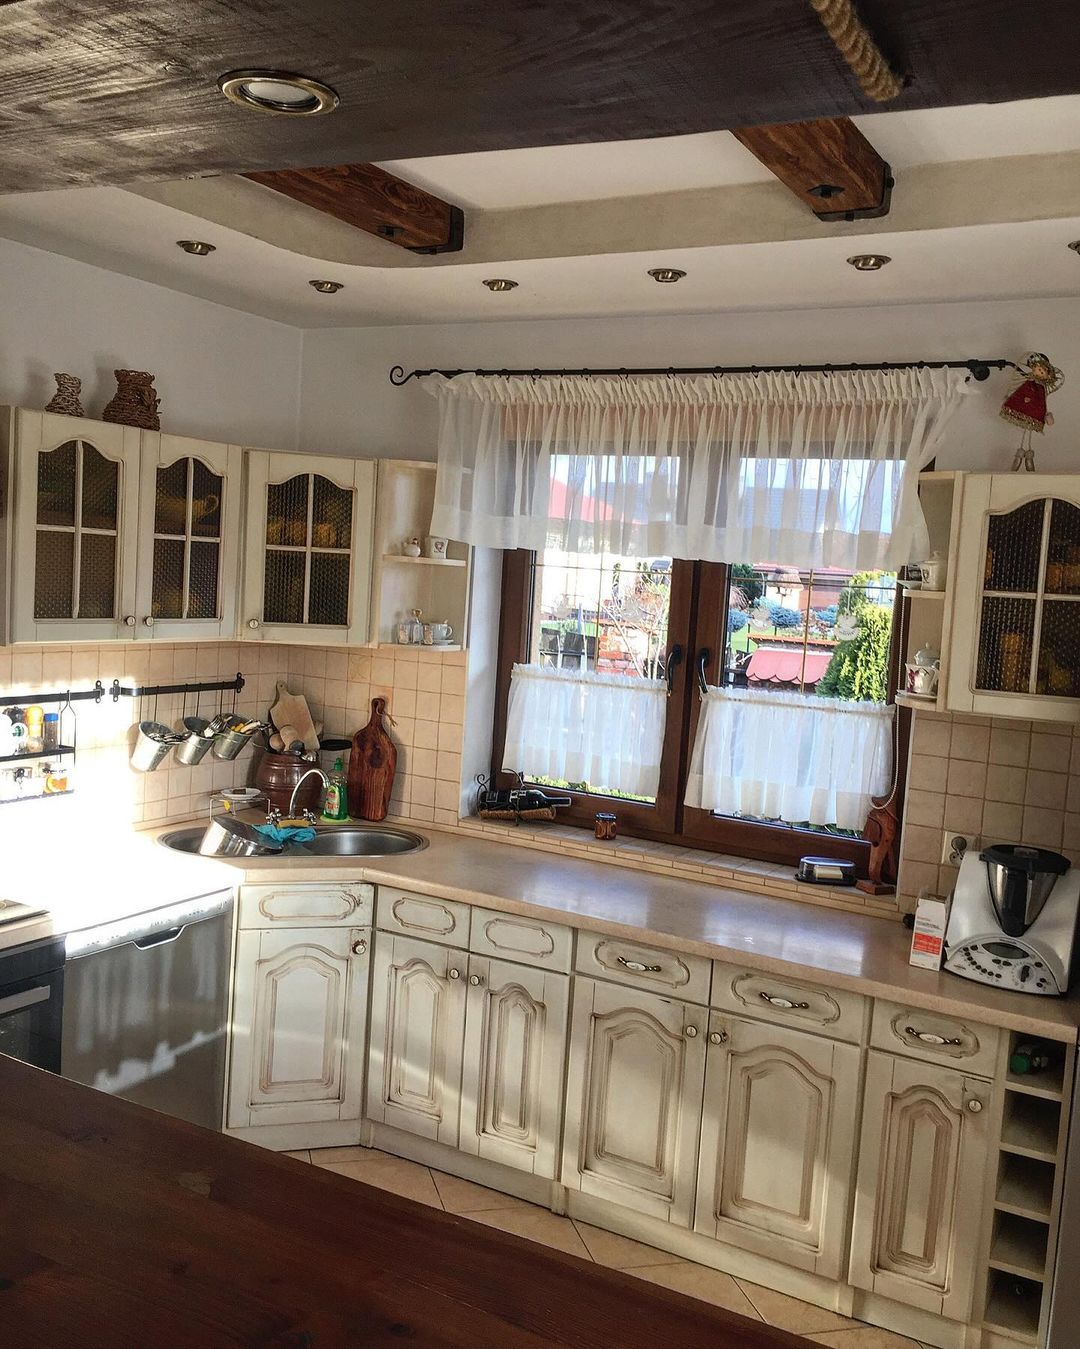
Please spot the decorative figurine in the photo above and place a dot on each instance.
(135, 402)
(66, 397)
(1026, 405)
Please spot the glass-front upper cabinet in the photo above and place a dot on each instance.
(189, 533)
(307, 563)
(75, 514)
(1017, 621)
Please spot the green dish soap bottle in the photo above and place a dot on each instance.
(335, 804)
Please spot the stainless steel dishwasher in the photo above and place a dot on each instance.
(146, 1008)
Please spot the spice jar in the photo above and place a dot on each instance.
(607, 826)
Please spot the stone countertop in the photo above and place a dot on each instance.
(784, 937)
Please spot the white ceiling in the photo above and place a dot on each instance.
(503, 179)
(123, 232)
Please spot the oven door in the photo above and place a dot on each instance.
(31, 1003)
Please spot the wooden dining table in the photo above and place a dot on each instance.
(125, 1228)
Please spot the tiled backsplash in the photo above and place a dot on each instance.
(424, 691)
(994, 780)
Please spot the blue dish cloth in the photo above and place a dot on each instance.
(296, 834)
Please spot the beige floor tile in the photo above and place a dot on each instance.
(462, 1196)
(789, 1313)
(710, 1285)
(618, 1252)
(302, 1156)
(537, 1224)
(389, 1173)
(320, 1156)
(864, 1337)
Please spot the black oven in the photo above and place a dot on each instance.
(31, 1002)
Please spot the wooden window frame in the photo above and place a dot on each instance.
(697, 625)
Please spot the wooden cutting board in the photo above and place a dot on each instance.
(291, 710)
(372, 765)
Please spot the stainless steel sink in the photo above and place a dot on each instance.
(361, 841)
(350, 840)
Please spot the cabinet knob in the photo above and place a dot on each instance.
(785, 1004)
(929, 1037)
(638, 966)
(148, 621)
(975, 1106)
(359, 947)
(690, 1032)
(129, 620)
(254, 623)
(475, 980)
(718, 1037)
(453, 974)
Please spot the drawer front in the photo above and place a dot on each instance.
(788, 1002)
(347, 905)
(529, 941)
(932, 1036)
(441, 920)
(628, 962)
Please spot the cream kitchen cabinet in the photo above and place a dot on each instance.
(634, 1096)
(515, 1050)
(919, 1193)
(1015, 644)
(777, 1140)
(308, 548)
(298, 1027)
(417, 1037)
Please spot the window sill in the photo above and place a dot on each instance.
(739, 873)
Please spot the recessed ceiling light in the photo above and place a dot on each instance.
(1075, 245)
(499, 283)
(868, 262)
(327, 287)
(666, 275)
(199, 248)
(277, 91)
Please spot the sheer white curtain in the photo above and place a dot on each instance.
(820, 469)
(790, 756)
(606, 730)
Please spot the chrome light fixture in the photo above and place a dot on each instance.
(1075, 245)
(198, 248)
(327, 287)
(869, 262)
(277, 91)
(666, 275)
(500, 283)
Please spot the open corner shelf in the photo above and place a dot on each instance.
(923, 594)
(918, 700)
(425, 561)
(418, 646)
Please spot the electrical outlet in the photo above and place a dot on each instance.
(953, 847)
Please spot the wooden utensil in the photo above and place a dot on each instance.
(291, 710)
(372, 765)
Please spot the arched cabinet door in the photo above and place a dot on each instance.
(76, 501)
(307, 549)
(189, 538)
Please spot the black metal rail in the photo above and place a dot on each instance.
(116, 691)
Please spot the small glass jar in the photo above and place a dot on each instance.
(607, 826)
(50, 732)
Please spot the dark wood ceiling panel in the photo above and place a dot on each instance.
(111, 91)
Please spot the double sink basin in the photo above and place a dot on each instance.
(329, 841)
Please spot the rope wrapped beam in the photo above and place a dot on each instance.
(854, 43)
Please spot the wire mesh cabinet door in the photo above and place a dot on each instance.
(189, 538)
(308, 549)
(1016, 633)
(76, 524)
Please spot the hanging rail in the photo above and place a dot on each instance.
(978, 368)
(116, 691)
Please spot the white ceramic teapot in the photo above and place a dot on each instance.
(933, 572)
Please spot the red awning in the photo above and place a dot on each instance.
(786, 667)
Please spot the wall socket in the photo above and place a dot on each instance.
(953, 847)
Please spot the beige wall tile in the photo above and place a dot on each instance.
(428, 678)
(1050, 752)
(928, 772)
(1003, 822)
(926, 808)
(426, 734)
(964, 814)
(921, 843)
(916, 876)
(1043, 828)
(966, 778)
(970, 742)
(1005, 783)
(1046, 789)
(1010, 746)
(927, 737)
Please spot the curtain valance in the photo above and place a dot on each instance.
(811, 469)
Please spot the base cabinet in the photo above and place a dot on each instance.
(417, 1037)
(512, 1082)
(919, 1193)
(299, 1014)
(777, 1143)
(637, 1067)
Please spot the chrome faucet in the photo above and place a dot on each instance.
(308, 815)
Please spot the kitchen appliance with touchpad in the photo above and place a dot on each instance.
(1013, 919)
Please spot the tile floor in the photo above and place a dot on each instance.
(605, 1248)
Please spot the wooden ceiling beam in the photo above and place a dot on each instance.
(828, 164)
(369, 198)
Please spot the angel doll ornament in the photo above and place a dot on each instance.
(1026, 405)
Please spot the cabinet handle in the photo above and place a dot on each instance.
(690, 1032)
(975, 1105)
(929, 1038)
(129, 620)
(638, 966)
(148, 621)
(718, 1037)
(253, 623)
(359, 947)
(475, 980)
(453, 974)
(784, 1003)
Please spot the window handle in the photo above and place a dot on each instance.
(702, 661)
(674, 658)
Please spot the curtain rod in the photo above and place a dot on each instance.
(977, 367)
